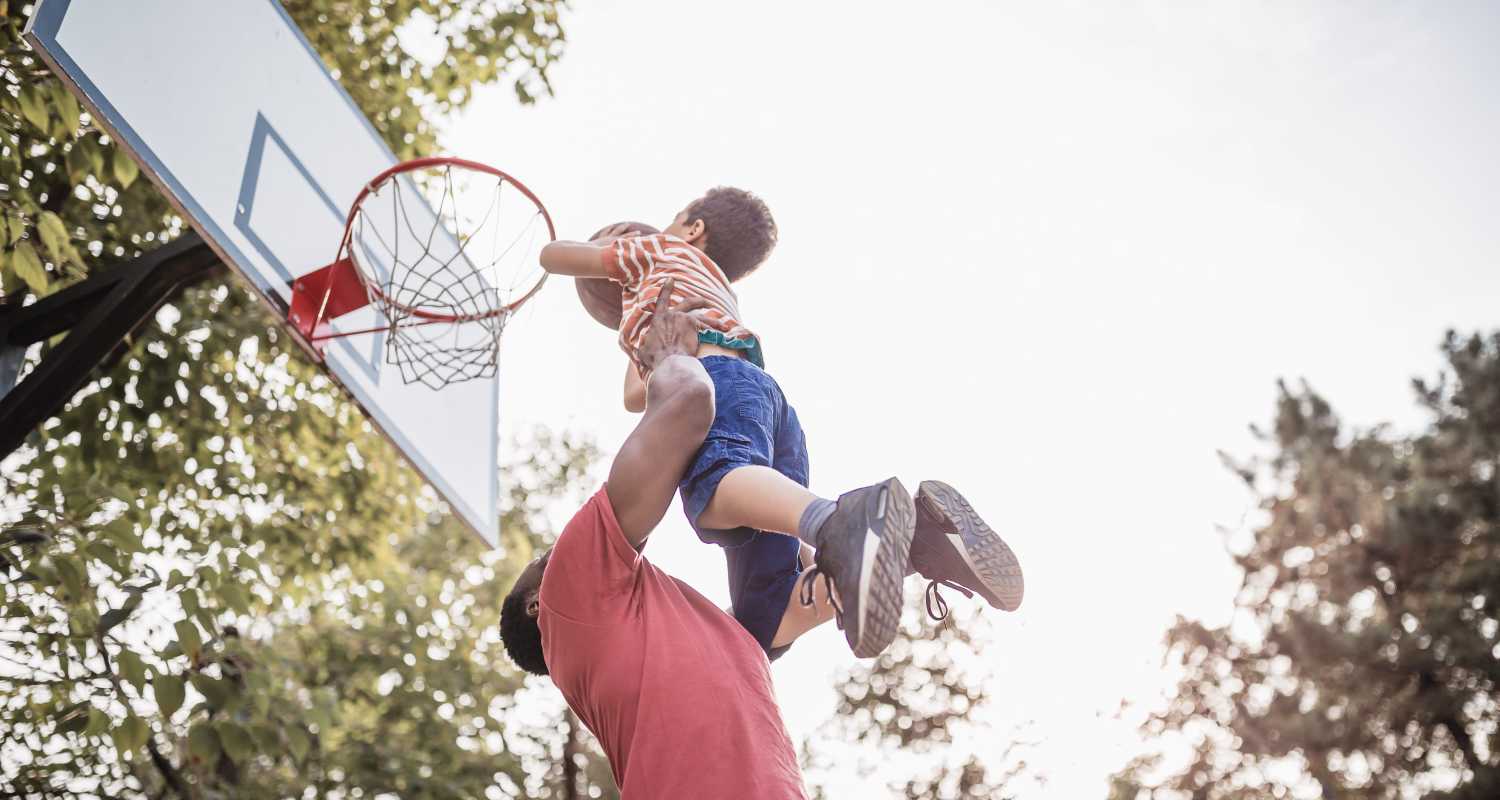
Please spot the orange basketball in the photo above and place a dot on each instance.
(602, 297)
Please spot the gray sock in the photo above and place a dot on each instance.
(811, 524)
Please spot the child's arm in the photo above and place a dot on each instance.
(585, 259)
(579, 259)
(635, 389)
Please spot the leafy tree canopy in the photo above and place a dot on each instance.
(218, 579)
(1365, 662)
(905, 721)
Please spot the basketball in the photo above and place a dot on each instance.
(600, 296)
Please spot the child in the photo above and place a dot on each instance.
(751, 474)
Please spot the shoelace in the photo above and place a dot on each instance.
(809, 596)
(933, 596)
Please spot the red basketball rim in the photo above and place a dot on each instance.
(427, 315)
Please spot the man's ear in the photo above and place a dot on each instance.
(533, 605)
(697, 233)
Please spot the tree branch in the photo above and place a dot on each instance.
(169, 773)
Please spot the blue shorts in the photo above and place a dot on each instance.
(753, 424)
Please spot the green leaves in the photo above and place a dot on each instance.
(34, 108)
(59, 245)
(234, 740)
(68, 111)
(188, 638)
(130, 734)
(280, 530)
(170, 692)
(15, 228)
(203, 742)
(54, 234)
(1368, 588)
(132, 669)
(298, 742)
(120, 534)
(28, 267)
(235, 597)
(97, 722)
(216, 693)
(125, 168)
(918, 697)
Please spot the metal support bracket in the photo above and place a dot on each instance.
(97, 314)
(323, 295)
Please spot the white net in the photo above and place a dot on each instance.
(448, 253)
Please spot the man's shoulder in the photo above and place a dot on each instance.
(591, 563)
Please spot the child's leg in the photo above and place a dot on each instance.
(798, 618)
(741, 453)
(758, 497)
(862, 541)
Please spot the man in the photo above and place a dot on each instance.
(677, 692)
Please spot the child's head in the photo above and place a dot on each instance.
(732, 226)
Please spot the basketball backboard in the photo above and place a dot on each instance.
(236, 119)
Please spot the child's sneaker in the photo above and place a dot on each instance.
(862, 552)
(954, 547)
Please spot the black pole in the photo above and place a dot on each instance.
(97, 314)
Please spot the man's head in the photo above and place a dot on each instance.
(732, 226)
(518, 628)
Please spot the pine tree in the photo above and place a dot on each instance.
(1366, 660)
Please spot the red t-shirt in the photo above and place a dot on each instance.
(678, 694)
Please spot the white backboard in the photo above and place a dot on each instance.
(234, 116)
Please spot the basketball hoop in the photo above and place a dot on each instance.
(445, 250)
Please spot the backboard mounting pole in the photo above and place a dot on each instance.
(97, 314)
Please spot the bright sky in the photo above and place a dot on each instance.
(1092, 237)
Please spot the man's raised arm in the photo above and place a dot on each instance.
(679, 411)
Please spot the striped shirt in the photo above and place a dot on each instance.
(641, 264)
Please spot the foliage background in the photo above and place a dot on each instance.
(1364, 660)
(179, 550)
(218, 579)
(906, 721)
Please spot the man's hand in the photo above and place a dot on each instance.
(673, 330)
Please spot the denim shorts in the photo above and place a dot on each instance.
(753, 424)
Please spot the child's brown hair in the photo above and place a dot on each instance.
(741, 232)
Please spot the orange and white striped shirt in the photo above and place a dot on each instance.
(641, 264)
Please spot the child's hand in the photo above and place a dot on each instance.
(673, 330)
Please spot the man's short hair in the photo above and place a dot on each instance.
(740, 229)
(521, 635)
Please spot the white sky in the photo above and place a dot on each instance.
(1092, 236)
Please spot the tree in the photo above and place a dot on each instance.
(907, 720)
(217, 577)
(1364, 662)
(241, 585)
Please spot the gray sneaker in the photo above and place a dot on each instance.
(953, 547)
(862, 554)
